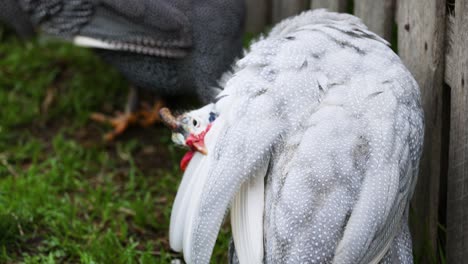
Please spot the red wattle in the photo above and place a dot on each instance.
(186, 160)
(191, 139)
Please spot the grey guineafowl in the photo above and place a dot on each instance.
(169, 47)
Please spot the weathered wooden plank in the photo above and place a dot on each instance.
(332, 5)
(421, 39)
(286, 8)
(457, 182)
(378, 15)
(257, 15)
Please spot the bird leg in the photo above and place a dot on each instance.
(121, 121)
(149, 115)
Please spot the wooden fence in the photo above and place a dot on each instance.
(431, 37)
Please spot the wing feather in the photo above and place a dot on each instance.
(247, 220)
(389, 181)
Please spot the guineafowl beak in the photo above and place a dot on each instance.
(197, 142)
(201, 148)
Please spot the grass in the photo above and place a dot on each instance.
(65, 195)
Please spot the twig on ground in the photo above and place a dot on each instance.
(20, 229)
(4, 162)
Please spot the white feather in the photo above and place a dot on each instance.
(187, 201)
(182, 200)
(247, 220)
(88, 42)
(201, 175)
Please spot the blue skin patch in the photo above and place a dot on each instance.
(212, 117)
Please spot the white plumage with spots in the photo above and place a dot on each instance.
(319, 128)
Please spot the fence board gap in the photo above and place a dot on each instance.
(444, 167)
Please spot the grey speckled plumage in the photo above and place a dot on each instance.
(326, 112)
(12, 14)
(171, 47)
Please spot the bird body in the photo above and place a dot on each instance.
(170, 47)
(12, 14)
(326, 114)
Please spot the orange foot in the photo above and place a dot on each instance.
(144, 117)
(150, 115)
(120, 123)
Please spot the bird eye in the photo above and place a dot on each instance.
(195, 122)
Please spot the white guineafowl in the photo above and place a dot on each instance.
(314, 145)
